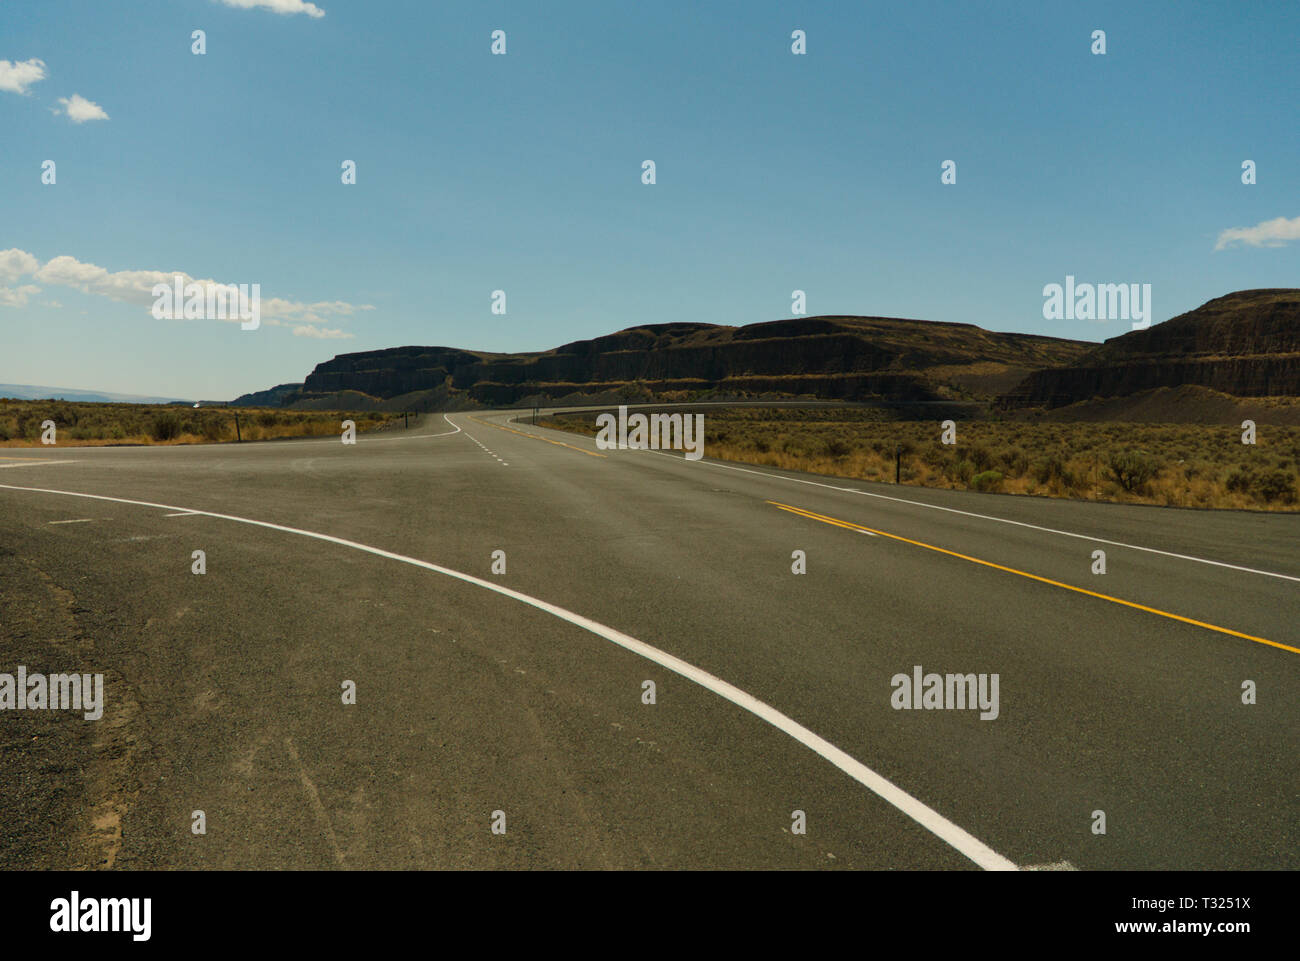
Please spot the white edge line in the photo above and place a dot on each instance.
(455, 430)
(931, 820)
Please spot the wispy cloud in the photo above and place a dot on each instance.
(136, 287)
(278, 6)
(17, 297)
(324, 333)
(1267, 233)
(78, 109)
(18, 76)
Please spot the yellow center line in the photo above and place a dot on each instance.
(547, 440)
(1033, 577)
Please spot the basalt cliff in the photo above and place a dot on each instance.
(831, 358)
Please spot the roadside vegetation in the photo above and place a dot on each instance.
(81, 424)
(1177, 465)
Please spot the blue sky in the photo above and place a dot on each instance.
(522, 172)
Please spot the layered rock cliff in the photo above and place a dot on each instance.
(843, 358)
(1245, 344)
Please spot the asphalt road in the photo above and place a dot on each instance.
(522, 692)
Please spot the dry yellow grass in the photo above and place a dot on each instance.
(80, 424)
(1176, 465)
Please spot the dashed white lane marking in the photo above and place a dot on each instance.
(931, 820)
(486, 449)
(79, 520)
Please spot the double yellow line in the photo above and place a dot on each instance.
(1033, 577)
(546, 440)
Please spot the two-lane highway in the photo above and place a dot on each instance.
(500, 594)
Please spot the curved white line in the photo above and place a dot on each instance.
(455, 430)
(931, 820)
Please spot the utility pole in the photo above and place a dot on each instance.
(239, 439)
(898, 462)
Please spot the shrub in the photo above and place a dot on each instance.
(936, 455)
(1240, 481)
(1045, 469)
(1276, 486)
(837, 448)
(989, 480)
(1132, 469)
(980, 457)
(166, 426)
(1015, 461)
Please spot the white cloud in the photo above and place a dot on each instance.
(126, 286)
(324, 333)
(18, 76)
(15, 263)
(17, 297)
(78, 109)
(278, 6)
(136, 287)
(1266, 233)
(310, 313)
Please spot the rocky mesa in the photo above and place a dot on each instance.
(1244, 344)
(830, 357)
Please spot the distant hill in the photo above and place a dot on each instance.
(36, 392)
(1244, 345)
(267, 398)
(832, 357)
